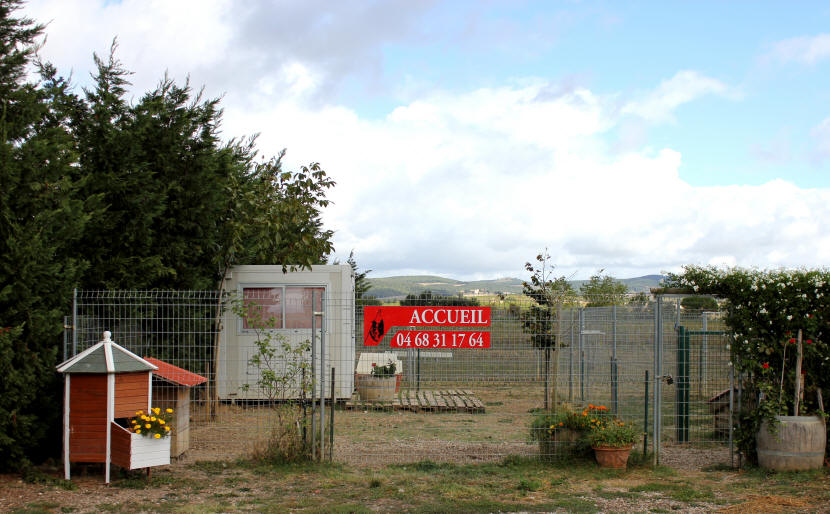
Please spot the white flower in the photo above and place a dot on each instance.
(789, 316)
(727, 347)
(730, 364)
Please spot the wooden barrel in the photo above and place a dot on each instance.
(377, 389)
(798, 444)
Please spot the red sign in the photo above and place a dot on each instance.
(436, 339)
(377, 321)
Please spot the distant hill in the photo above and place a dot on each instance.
(386, 287)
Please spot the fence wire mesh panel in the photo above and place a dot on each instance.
(248, 371)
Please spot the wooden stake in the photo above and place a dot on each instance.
(798, 358)
(820, 400)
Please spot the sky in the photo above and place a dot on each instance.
(466, 137)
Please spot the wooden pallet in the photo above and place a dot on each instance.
(444, 400)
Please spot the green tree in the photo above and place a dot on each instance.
(601, 291)
(541, 320)
(40, 219)
(701, 303)
(427, 298)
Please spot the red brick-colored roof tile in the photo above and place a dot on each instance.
(176, 374)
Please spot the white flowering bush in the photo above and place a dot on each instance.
(765, 309)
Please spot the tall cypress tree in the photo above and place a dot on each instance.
(41, 215)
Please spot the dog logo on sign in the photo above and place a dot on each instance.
(377, 330)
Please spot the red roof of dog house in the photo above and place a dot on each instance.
(176, 374)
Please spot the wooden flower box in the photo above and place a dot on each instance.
(134, 451)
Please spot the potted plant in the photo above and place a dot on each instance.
(380, 384)
(612, 441)
(790, 443)
(563, 433)
(145, 440)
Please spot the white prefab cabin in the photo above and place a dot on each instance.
(295, 301)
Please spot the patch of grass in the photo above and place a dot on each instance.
(138, 482)
(68, 509)
(375, 482)
(35, 476)
(576, 505)
(610, 495)
(37, 507)
(529, 485)
(679, 492)
(211, 467)
(717, 467)
(493, 404)
(555, 481)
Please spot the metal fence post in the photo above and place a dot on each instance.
(322, 315)
(658, 376)
(313, 377)
(74, 322)
(614, 383)
(571, 361)
(581, 354)
(331, 419)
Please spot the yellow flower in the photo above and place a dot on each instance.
(153, 418)
(139, 412)
(156, 410)
(169, 411)
(157, 436)
(137, 430)
(147, 425)
(162, 422)
(167, 429)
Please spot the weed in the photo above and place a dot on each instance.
(718, 467)
(375, 482)
(211, 467)
(35, 476)
(576, 505)
(529, 485)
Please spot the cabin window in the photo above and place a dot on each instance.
(298, 307)
(264, 305)
(281, 306)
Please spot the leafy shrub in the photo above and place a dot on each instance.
(613, 433)
(765, 310)
(387, 370)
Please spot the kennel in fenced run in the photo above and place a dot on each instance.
(631, 357)
(298, 306)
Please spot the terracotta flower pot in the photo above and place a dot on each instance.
(612, 457)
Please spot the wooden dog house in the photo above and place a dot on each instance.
(103, 383)
(171, 390)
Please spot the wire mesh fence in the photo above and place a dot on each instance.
(445, 401)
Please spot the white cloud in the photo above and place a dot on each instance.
(469, 183)
(804, 49)
(478, 182)
(685, 86)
